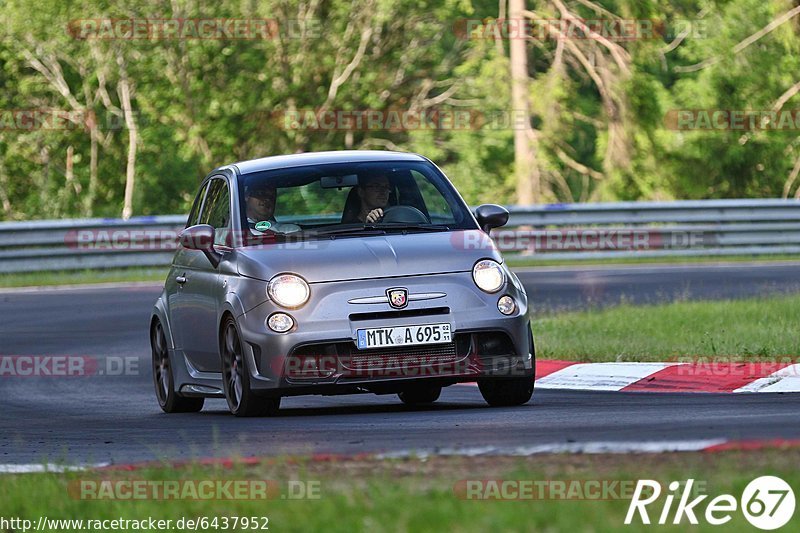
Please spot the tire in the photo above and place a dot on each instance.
(169, 400)
(420, 395)
(506, 392)
(242, 401)
(509, 392)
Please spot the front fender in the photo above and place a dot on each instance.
(521, 294)
(160, 314)
(232, 304)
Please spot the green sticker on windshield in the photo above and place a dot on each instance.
(263, 225)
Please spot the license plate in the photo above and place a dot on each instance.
(403, 336)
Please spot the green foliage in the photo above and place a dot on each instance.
(201, 103)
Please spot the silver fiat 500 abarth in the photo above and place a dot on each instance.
(337, 273)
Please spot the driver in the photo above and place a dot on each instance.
(373, 193)
(260, 201)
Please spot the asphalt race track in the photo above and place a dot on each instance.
(106, 418)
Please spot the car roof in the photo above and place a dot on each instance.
(321, 158)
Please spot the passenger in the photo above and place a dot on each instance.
(260, 200)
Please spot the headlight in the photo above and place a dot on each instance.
(288, 290)
(488, 275)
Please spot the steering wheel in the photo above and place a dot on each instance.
(405, 214)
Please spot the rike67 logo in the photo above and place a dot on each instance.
(767, 503)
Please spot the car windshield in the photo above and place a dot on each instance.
(350, 199)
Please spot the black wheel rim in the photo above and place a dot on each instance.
(161, 371)
(233, 367)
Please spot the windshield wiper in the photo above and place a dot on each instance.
(377, 229)
(366, 229)
(414, 227)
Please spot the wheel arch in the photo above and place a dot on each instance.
(160, 314)
(232, 306)
(222, 319)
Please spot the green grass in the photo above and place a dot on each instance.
(519, 261)
(82, 277)
(757, 328)
(415, 495)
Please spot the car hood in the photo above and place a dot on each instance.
(377, 256)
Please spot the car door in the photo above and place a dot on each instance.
(199, 284)
(182, 261)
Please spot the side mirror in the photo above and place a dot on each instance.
(491, 216)
(201, 237)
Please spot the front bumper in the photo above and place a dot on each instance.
(320, 356)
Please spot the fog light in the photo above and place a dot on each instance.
(280, 322)
(506, 305)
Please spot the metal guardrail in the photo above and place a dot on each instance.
(658, 229)
(554, 231)
(99, 243)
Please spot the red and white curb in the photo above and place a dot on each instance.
(669, 377)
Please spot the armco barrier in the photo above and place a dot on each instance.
(88, 243)
(554, 231)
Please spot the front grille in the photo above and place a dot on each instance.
(406, 313)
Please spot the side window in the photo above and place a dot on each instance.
(217, 211)
(195, 212)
